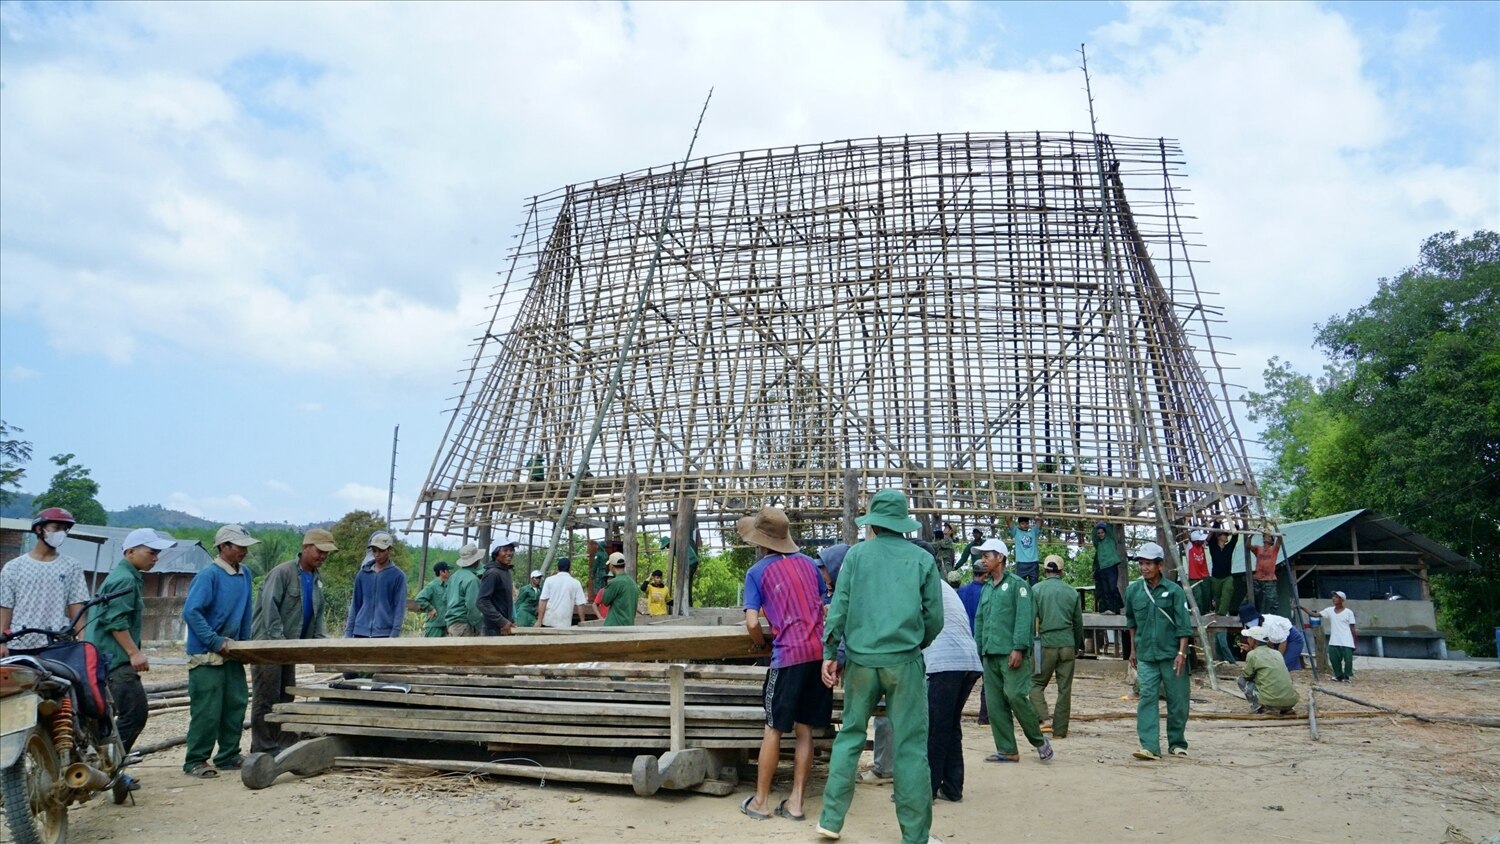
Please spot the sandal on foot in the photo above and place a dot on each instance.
(1178, 751)
(202, 771)
(1045, 752)
(781, 812)
(234, 764)
(751, 813)
(1000, 757)
(1145, 755)
(829, 834)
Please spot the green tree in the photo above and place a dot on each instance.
(14, 454)
(73, 490)
(1410, 423)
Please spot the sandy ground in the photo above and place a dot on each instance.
(1370, 780)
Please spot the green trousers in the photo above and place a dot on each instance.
(434, 631)
(1341, 660)
(1223, 592)
(217, 695)
(1057, 661)
(1007, 692)
(1222, 653)
(905, 689)
(1156, 676)
(1266, 598)
(1202, 593)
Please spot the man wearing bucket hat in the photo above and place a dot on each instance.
(1156, 614)
(786, 587)
(1266, 683)
(1004, 629)
(887, 606)
(217, 611)
(378, 607)
(289, 606)
(462, 612)
(1059, 616)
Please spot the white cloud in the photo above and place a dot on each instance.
(18, 373)
(280, 487)
(214, 507)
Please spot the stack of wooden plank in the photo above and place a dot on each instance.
(614, 707)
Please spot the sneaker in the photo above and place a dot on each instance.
(1145, 755)
(871, 778)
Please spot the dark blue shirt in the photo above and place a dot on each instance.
(307, 596)
(970, 593)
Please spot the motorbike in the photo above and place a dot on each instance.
(58, 742)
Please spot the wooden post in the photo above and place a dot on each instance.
(851, 506)
(426, 534)
(681, 535)
(632, 519)
(677, 686)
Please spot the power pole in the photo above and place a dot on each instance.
(390, 493)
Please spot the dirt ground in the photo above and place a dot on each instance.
(1382, 779)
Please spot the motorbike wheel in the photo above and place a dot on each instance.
(32, 810)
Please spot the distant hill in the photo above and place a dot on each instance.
(152, 516)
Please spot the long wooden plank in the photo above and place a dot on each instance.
(626, 643)
(599, 697)
(616, 670)
(587, 685)
(552, 722)
(554, 734)
(466, 767)
(737, 713)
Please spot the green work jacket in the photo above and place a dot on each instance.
(1159, 618)
(1106, 552)
(278, 608)
(887, 605)
(620, 595)
(123, 613)
(434, 596)
(1006, 620)
(463, 598)
(1266, 668)
(526, 601)
(1059, 614)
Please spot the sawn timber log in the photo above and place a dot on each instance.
(623, 643)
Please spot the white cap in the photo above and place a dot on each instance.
(1278, 628)
(1341, 595)
(147, 537)
(536, 572)
(502, 541)
(994, 545)
(1259, 634)
(1150, 551)
(1199, 535)
(234, 534)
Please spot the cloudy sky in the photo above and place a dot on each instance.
(240, 243)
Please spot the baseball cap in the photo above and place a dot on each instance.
(1341, 594)
(1150, 551)
(147, 537)
(503, 541)
(617, 560)
(995, 545)
(320, 539)
(380, 539)
(536, 573)
(1053, 563)
(236, 535)
(1198, 536)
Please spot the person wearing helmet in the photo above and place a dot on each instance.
(1156, 614)
(42, 588)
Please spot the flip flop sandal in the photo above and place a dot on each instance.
(751, 813)
(781, 812)
(1179, 751)
(996, 757)
(1145, 755)
(202, 771)
(1045, 752)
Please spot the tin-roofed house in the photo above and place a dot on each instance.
(166, 584)
(1382, 567)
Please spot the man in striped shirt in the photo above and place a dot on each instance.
(788, 589)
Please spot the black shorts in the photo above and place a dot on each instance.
(795, 694)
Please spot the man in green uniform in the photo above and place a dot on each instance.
(620, 594)
(115, 630)
(1059, 616)
(1156, 614)
(462, 612)
(526, 600)
(598, 567)
(887, 606)
(1107, 559)
(943, 549)
(433, 600)
(971, 550)
(1003, 629)
(1266, 683)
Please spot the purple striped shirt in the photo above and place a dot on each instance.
(789, 590)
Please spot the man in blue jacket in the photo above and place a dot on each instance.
(217, 611)
(378, 607)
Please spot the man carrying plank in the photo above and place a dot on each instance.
(887, 606)
(788, 588)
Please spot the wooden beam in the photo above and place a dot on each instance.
(628, 643)
(677, 686)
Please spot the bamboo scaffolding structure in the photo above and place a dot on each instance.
(966, 316)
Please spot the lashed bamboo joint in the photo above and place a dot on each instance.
(968, 317)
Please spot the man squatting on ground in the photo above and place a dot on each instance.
(887, 606)
(1059, 616)
(115, 629)
(787, 588)
(217, 611)
(1266, 683)
(1156, 614)
(1003, 630)
(290, 606)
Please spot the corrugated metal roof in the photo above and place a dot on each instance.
(1379, 538)
(186, 557)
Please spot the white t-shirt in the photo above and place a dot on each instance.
(1340, 626)
(562, 593)
(38, 593)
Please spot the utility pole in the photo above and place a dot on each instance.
(390, 493)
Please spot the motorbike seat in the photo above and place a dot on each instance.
(60, 669)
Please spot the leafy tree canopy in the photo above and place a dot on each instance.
(1406, 419)
(14, 454)
(73, 490)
